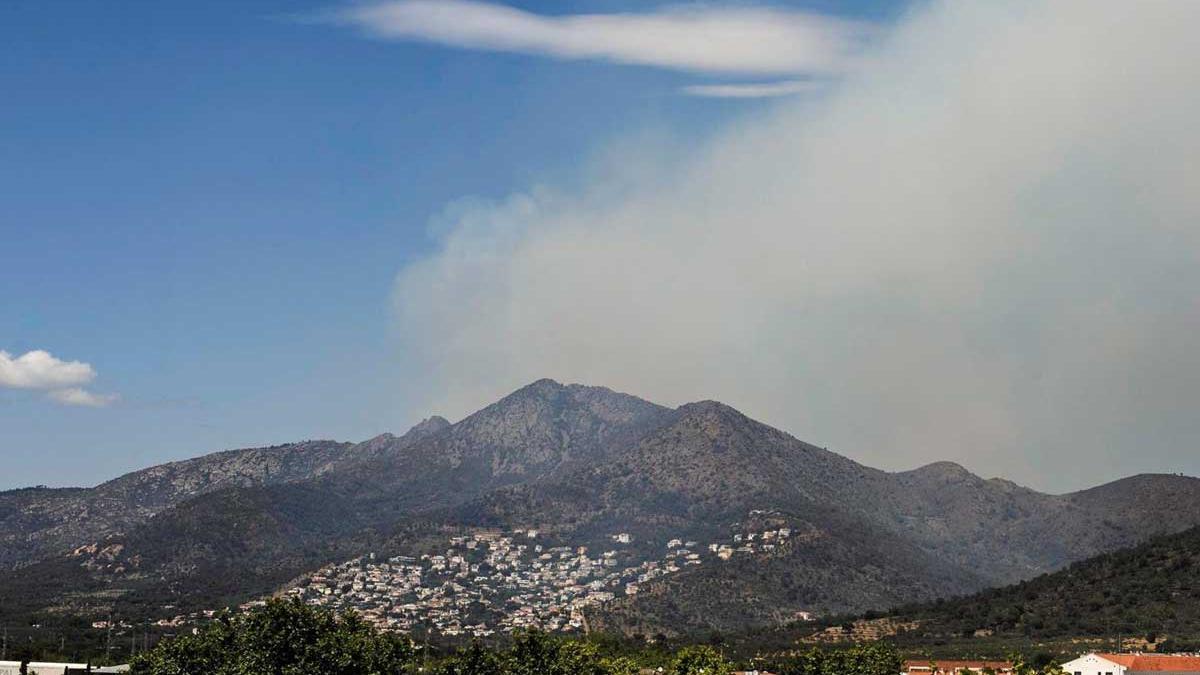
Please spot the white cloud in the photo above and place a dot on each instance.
(81, 397)
(700, 38)
(39, 369)
(983, 246)
(751, 90)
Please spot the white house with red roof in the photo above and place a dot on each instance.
(1133, 664)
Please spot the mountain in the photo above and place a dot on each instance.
(541, 430)
(245, 530)
(37, 522)
(578, 463)
(1138, 502)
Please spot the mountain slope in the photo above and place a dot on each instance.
(538, 430)
(834, 564)
(882, 539)
(38, 522)
(1152, 588)
(1138, 502)
(1004, 531)
(707, 464)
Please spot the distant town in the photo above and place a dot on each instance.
(491, 582)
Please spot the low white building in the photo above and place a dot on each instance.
(1133, 664)
(47, 668)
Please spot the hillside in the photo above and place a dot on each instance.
(38, 522)
(835, 565)
(1152, 589)
(1136, 501)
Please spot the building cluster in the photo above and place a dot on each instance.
(499, 581)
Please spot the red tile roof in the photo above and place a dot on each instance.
(955, 666)
(1159, 663)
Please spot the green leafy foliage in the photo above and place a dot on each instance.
(291, 638)
(700, 660)
(875, 658)
(534, 653)
(1147, 591)
(284, 638)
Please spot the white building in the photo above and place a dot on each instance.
(1133, 664)
(47, 668)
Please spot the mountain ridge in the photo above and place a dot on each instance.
(584, 462)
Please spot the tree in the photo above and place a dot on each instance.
(536, 653)
(283, 638)
(475, 660)
(1021, 666)
(864, 659)
(700, 659)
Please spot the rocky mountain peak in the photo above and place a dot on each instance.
(428, 427)
(712, 409)
(544, 389)
(546, 402)
(943, 471)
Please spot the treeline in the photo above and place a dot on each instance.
(291, 638)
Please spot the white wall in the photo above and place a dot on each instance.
(1090, 664)
(38, 667)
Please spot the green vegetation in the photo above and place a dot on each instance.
(291, 638)
(284, 638)
(866, 659)
(700, 659)
(537, 654)
(1148, 592)
(1142, 598)
(1021, 666)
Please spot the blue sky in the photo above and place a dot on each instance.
(907, 231)
(208, 203)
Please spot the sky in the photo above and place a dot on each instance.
(907, 231)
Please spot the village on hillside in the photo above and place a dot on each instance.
(492, 582)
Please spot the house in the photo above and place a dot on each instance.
(939, 667)
(1133, 664)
